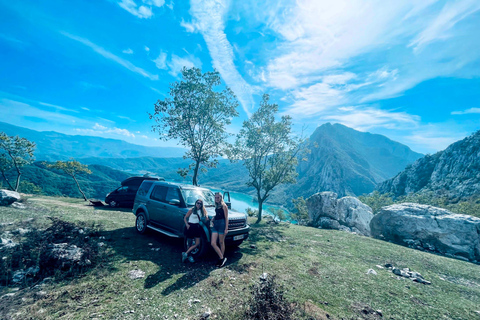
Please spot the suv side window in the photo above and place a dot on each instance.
(159, 193)
(172, 194)
(144, 187)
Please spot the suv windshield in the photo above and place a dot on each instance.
(191, 195)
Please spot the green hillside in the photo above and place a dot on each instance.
(323, 273)
(38, 179)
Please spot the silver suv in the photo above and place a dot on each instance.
(161, 206)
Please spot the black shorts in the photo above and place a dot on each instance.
(195, 231)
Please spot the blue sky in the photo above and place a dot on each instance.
(409, 70)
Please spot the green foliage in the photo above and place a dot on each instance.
(15, 152)
(251, 212)
(278, 214)
(268, 149)
(376, 200)
(28, 187)
(72, 168)
(300, 211)
(196, 115)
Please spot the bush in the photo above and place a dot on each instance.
(267, 301)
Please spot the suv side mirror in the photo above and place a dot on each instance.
(174, 202)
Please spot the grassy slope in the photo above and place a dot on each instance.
(323, 271)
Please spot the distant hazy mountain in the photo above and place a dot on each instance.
(53, 146)
(453, 172)
(349, 162)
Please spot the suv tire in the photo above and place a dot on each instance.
(141, 223)
(200, 250)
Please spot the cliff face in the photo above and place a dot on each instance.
(453, 172)
(349, 162)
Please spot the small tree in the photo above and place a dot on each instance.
(72, 168)
(15, 152)
(197, 116)
(278, 214)
(268, 149)
(300, 213)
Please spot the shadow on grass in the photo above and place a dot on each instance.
(165, 252)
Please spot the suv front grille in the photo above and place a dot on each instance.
(236, 224)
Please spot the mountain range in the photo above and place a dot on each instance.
(52, 146)
(341, 160)
(453, 172)
(349, 162)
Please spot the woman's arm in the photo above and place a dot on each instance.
(225, 212)
(186, 218)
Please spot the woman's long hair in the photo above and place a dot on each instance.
(203, 211)
(222, 203)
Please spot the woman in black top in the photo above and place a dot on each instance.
(220, 229)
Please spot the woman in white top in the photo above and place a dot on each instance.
(192, 222)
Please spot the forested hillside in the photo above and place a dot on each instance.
(38, 179)
(453, 173)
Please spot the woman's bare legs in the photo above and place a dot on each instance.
(215, 246)
(197, 243)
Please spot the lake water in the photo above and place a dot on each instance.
(241, 202)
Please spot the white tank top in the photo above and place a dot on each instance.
(193, 218)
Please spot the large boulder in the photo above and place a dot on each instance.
(429, 228)
(347, 213)
(8, 197)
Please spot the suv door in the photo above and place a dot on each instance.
(156, 203)
(174, 214)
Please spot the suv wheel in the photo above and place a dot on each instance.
(141, 223)
(199, 251)
(113, 204)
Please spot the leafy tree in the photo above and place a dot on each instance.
(197, 116)
(15, 152)
(72, 168)
(278, 214)
(300, 212)
(376, 200)
(268, 149)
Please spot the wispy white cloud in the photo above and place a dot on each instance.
(189, 27)
(11, 39)
(128, 51)
(176, 63)
(365, 118)
(142, 11)
(468, 111)
(57, 107)
(89, 85)
(106, 54)
(440, 28)
(209, 18)
(161, 61)
(147, 49)
(98, 129)
(19, 112)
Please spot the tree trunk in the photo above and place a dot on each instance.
(260, 207)
(8, 182)
(83, 194)
(18, 180)
(195, 173)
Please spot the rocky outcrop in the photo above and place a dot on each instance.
(429, 228)
(348, 162)
(347, 213)
(454, 172)
(8, 197)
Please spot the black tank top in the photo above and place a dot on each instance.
(219, 214)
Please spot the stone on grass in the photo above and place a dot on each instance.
(136, 274)
(8, 197)
(429, 228)
(346, 214)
